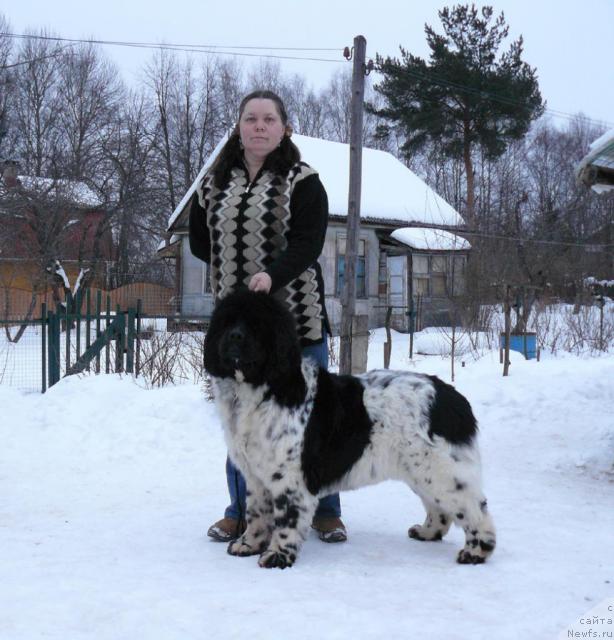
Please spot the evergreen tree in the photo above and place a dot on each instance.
(465, 95)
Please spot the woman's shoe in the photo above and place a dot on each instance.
(329, 529)
(226, 530)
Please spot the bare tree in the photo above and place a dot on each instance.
(137, 199)
(267, 74)
(42, 222)
(37, 104)
(305, 108)
(193, 107)
(90, 92)
(161, 73)
(231, 89)
(195, 118)
(337, 98)
(6, 80)
(210, 128)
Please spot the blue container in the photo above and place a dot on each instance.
(525, 343)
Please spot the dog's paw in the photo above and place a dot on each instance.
(276, 560)
(418, 532)
(466, 557)
(241, 548)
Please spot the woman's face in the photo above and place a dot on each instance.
(260, 128)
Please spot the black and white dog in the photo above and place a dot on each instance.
(298, 432)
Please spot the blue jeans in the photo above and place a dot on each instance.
(328, 507)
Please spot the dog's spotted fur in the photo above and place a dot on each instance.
(298, 432)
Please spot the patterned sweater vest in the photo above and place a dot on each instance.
(248, 226)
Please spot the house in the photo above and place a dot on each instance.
(44, 220)
(596, 169)
(392, 268)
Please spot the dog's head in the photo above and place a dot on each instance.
(253, 334)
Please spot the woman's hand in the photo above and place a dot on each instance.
(260, 282)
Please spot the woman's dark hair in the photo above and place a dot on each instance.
(280, 160)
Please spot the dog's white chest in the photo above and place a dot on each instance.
(256, 429)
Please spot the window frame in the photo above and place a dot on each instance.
(434, 260)
(362, 241)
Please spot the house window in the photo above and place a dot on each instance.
(361, 277)
(420, 268)
(420, 264)
(458, 275)
(438, 264)
(438, 276)
(438, 285)
(421, 286)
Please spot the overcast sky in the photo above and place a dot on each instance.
(571, 42)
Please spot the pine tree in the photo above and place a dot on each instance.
(465, 96)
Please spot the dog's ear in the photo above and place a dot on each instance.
(286, 353)
(211, 355)
(283, 370)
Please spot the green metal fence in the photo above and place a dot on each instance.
(82, 334)
(21, 356)
(85, 335)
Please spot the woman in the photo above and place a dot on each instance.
(259, 218)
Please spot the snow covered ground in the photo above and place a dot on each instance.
(107, 489)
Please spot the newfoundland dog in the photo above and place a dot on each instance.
(298, 432)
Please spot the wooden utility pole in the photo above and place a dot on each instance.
(508, 331)
(348, 299)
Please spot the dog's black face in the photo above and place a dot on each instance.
(238, 349)
(254, 334)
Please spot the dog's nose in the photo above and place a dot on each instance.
(236, 335)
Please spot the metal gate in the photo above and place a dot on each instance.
(94, 338)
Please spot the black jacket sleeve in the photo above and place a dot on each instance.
(200, 241)
(308, 222)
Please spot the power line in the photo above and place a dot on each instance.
(169, 44)
(55, 54)
(494, 236)
(223, 50)
(189, 48)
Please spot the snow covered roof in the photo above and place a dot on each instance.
(430, 239)
(172, 240)
(390, 191)
(201, 174)
(76, 191)
(596, 169)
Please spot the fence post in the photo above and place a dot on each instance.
(508, 331)
(54, 348)
(49, 347)
(57, 349)
(88, 336)
(78, 320)
(388, 343)
(98, 313)
(68, 322)
(44, 330)
(119, 342)
(138, 337)
(412, 326)
(130, 341)
(601, 340)
(108, 345)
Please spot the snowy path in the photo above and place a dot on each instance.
(107, 489)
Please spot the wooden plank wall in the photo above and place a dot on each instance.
(156, 300)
